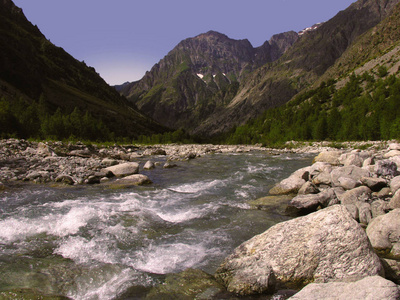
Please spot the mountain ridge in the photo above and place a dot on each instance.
(258, 86)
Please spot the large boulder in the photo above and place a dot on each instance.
(372, 287)
(384, 234)
(124, 169)
(322, 246)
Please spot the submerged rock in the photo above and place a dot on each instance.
(28, 294)
(323, 246)
(372, 287)
(189, 284)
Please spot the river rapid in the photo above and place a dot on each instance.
(91, 242)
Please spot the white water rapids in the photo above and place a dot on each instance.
(95, 243)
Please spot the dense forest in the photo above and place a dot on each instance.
(366, 108)
(36, 120)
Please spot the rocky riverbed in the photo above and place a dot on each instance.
(77, 163)
(344, 239)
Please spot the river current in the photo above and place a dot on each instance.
(90, 242)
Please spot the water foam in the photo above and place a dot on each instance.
(17, 228)
(169, 258)
(197, 187)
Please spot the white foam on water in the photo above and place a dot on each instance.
(17, 228)
(200, 186)
(169, 258)
(81, 250)
(107, 286)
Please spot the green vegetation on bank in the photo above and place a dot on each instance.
(366, 108)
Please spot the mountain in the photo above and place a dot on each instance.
(210, 83)
(32, 68)
(357, 98)
(200, 76)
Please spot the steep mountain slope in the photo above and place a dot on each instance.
(200, 76)
(210, 83)
(358, 98)
(276, 83)
(31, 67)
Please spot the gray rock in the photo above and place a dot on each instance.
(189, 284)
(394, 146)
(383, 193)
(372, 288)
(169, 165)
(361, 193)
(386, 168)
(149, 165)
(124, 169)
(292, 184)
(323, 178)
(395, 184)
(392, 269)
(395, 201)
(45, 150)
(308, 188)
(375, 184)
(325, 245)
(364, 213)
(391, 153)
(351, 159)
(130, 181)
(65, 179)
(109, 162)
(351, 172)
(379, 207)
(85, 153)
(353, 210)
(331, 157)
(305, 204)
(384, 234)
(348, 183)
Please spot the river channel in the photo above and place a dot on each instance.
(91, 242)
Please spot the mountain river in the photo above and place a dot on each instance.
(90, 242)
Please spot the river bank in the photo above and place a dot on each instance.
(344, 204)
(77, 163)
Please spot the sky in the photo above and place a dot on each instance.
(122, 39)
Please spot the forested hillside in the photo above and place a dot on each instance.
(44, 91)
(366, 108)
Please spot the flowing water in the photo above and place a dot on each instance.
(95, 243)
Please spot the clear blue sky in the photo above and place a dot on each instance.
(122, 39)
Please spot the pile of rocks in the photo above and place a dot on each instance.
(326, 249)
